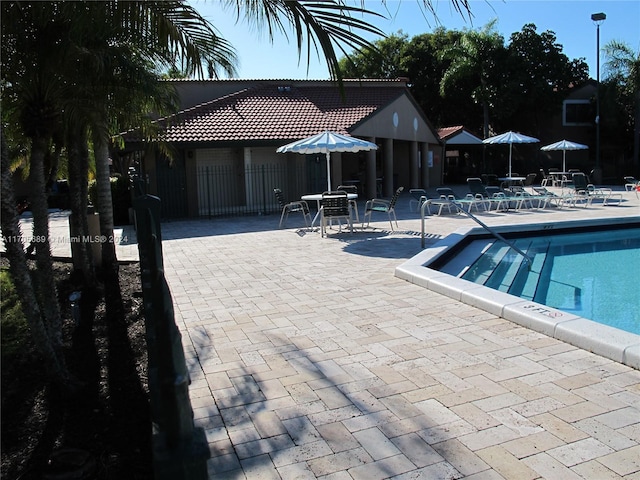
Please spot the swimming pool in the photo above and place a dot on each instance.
(561, 294)
(581, 273)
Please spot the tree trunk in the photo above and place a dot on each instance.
(45, 284)
(485, 118)
(53, 361)
(105, 201)
(78, 167)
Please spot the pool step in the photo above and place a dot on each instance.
(502, 268)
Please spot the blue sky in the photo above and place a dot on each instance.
(569, 19)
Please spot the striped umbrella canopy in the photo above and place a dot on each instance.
(510, 138)
(327, 142)
(564, 145)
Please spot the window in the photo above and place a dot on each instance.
(577, 113)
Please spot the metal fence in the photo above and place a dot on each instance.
(245, 190)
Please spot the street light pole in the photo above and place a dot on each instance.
(598, 18)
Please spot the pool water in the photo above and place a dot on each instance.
(594, 275)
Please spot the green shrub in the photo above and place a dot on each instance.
(14, 333)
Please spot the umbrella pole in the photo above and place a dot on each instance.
(564, 163)
(510, 147)
(328, 171)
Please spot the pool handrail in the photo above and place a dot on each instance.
(511, 245)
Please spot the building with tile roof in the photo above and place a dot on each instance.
(228, 130)
(461, 154)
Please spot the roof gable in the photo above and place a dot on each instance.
(458, 135)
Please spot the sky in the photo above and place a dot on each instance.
(570, 20)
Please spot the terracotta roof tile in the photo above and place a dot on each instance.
(272, 112)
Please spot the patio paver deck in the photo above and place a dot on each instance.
(310, 359)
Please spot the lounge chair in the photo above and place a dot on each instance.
(291, 207)
(603, 193)
(545, 197)
(631, 184)
(500, 199)
(469, 201)
(382, 206)
(418, 195)
(579, 190)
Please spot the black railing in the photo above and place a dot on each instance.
(244, 190)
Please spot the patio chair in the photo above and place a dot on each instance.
(530, 180)
(353, 203)
(549, 178)
(579, 182)
(334, 205)
(418, 195)
(292, 207)
(476, 187)
(490, 179)
(383, 206)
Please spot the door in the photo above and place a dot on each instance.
(172, 187)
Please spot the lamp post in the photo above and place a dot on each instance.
(598, 18)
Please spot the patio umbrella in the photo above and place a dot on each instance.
(564, 145)
(327, 142)
(510, 138)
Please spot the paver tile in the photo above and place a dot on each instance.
(340, 461)
(580, 451)
(506, 464)
(549, 468)
(595, 469)
(619, 418)
(532, 444)
(376, 444)
(460, 457)
(623, 462)
(385, 468)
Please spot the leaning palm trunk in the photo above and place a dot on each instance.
(105, 202)
(53, 361)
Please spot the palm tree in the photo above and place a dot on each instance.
(622, 68)
(475, 56)
(31, 99)
(46, 340)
